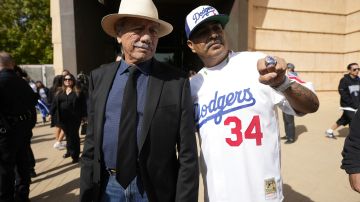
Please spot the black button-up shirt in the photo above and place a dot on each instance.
(113, 108)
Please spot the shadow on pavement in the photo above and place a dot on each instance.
(291, 195)
(40, 159)
(61, 193)
(300, 129)
(73, 166)
(40, 124)
(39, 140)
(39, 136)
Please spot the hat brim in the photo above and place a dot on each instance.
(221, 18)
(108, 24)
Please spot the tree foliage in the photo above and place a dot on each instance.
(25, 30)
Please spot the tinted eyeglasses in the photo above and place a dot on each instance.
(355, 69)
(67, 79)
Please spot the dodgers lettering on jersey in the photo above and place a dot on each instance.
(239, 132)
(221, 105)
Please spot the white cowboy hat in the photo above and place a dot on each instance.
(144, 9)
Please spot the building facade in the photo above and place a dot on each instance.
(320, 37)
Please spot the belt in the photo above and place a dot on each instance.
(18, 118)
(111, 172)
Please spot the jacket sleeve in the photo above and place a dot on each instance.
(188, 177)
(345, 94)
(87, 158)
(351, 151)
(83, 105)
(53, 107)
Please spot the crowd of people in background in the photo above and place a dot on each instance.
(63, 105)
(17, 118)
(125, 146)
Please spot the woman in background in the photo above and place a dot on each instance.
(43, 99)
(69, 108)
(59, 133)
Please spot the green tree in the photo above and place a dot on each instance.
(25, 30)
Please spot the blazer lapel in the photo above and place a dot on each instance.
(152, 98)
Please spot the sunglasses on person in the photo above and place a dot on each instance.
(355, 69)
(67, 79)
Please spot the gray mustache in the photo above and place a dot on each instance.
(142, 45)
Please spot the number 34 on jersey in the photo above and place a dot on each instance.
(240, 132)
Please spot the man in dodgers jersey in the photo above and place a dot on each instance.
(235, 97)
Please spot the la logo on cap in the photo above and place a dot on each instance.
(202, 14)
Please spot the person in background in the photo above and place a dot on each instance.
(43, 91)
(140, 143)
(17, 108)
(43, 100)
(351, 153)
(82, 83)
(65, 72)
(349, 89)
(23, 74)
(59, 133)
(69, 107)
(235, 97)
(31, 83)
(289, 123)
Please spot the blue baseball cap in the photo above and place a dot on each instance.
(203, 14)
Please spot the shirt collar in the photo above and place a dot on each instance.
(144, 67)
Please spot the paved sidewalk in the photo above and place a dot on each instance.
(310, 166)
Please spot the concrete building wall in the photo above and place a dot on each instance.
(320, 37)
(352, 31)
(236, 29)
(63, 35)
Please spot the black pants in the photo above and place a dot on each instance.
(289, 125)
(30, 153)
(71, 130)
(345, 118)
(14, 159)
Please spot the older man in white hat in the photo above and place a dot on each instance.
(140, 143)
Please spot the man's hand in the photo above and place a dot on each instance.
(301, 99)
(355, 181)
(273, 76)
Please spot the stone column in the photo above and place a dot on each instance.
(237, 28)
(63, 35)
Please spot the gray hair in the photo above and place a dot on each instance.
(119, 25)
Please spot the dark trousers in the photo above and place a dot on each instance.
(31, 158)
(289, 125)
(71, 130)
(14, 159)
(345, 118)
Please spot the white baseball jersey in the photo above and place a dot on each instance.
(239, 133)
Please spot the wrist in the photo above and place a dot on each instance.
(284, 85)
